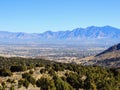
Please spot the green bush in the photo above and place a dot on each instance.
(12, 88)
(26, 83)
(31, 71)
(57, 67)
(9, 80)
(42, 71)
(45, 84)
(62, 85)
(52, 72)
(39, 65)
(26, 75)
(5, 72)
(20, 83)
(29, 78)
(18, 68)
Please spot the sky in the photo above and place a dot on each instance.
(36, 16)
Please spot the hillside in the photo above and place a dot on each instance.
(108, 58)
(112, 52)
(114, 49)
(38, 74)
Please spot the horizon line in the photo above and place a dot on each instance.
(59, 30)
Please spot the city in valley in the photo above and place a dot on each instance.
(60, 53)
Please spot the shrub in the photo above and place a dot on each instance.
(25, 75)
(26, 83)
(5, 72)
(46, 84)
(57, 67)
(30, 66)
(31, 72)
(42, 71)
(39, 65)
(9, 80)
(52, 72)
(12, 88)
(62, 85)
(18, 68)
(20, 83)
(3, 84)
(29, 78)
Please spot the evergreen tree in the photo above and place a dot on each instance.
(46, 84)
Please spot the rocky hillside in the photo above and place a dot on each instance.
(108, 58)
(115, 48)
(112, 52)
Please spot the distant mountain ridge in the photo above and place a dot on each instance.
(104, 33)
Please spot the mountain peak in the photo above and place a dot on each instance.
(90, 34)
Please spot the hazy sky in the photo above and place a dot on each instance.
(42, 15)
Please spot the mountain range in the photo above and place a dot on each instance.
(92, 34)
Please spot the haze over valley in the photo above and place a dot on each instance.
(65, 46)
(59, 45)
